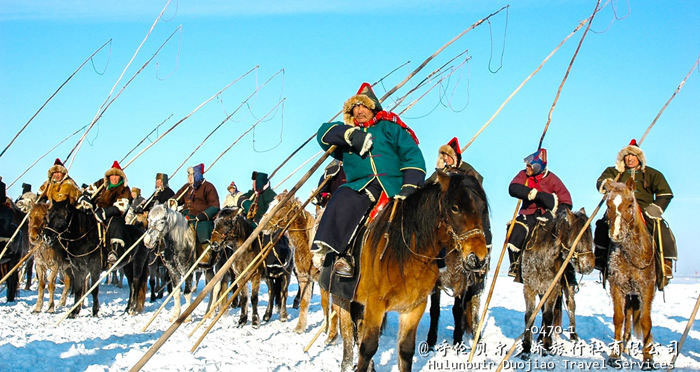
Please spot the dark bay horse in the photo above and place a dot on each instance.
(544, 254)
(73, 235)
(631, 271)
(398, 274)
(466, 285)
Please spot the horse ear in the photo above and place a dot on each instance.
(582, 210)
(630, 183)
(444, 180)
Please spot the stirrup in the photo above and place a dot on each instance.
(343, 267)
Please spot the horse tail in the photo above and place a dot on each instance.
(635, 306)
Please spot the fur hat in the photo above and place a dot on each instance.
(631, 149)
(365, 96)
(116, 170)
(452, 150)
(537, 160)
(163, 177)
(198, 173)
(57, 167)
(136, 190)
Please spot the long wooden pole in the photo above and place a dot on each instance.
(144, 138)
(100, 110)
(566, 75)
(688, 326)
(678, 89)
(52, 95)
(482, 319)
(533, 73)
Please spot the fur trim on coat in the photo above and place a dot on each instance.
(351, 102)
(631, 149)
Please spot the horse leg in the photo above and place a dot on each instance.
(408, 323)
(618, 319)
(471, 312)
(271, 294)
(175, 278)
(188, 296)
(67, 280)
(548, 321)
(78, 288)
(529, 295)
(95, 274)
(458, 316)
(571, 306)
(152, 282)
(243, 319)
(255, 287)
(434, 317)
(284, 283)
(41, 278)
(631, 307)
(347, 333)
(304, 294)
(369, 335)
(29, 266)
(644, 322)
(332, 326)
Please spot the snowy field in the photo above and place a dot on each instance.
(113, 340)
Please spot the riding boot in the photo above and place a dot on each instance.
(514, 270)
(344, 267)
(668, 270)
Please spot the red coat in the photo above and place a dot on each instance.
(544, 182)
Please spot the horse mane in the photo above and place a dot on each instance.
(476, 189)
(416, 218)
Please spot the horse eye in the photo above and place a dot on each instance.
(455, 209)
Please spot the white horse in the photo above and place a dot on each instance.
(175, 241)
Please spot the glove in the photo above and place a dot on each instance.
(532, 194)
(602, 185)
(101, 215)
(405, 192)
(360, 141)
(84, 202)
(653, 211)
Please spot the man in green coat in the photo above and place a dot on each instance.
(380, 154)
(653, 195)
(256, 201)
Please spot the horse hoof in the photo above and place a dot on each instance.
(266, 318)
(524, 355)
(36, 311)
(614, 362)
(283, 317)
(647, 365)
(331, 340)
(295, 305)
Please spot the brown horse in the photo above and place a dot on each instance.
(631, 271)
(544, 254)
(398, 273)
(48, 262)
(466, 286)
(300, 233)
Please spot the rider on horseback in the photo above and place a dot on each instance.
(112, 201)
(200, 202)
(257, 200)
(543, 194)
(232, 197)
(653, 195)
(59, 186)
(380, 154)
(162, 193)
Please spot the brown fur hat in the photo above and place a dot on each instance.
(163, 177)
(452, 150)
(365, 96)
(116, 169)
(631, 149)
(57, 167)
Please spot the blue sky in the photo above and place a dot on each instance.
(622, 77)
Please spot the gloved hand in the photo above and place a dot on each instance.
(101, 215)
(359, 140)
(532, 194)
(84, 201)
(653, 211)
(405, 192)
(602, 189)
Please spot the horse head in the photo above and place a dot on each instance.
(461, 208)
(623, 211)
(223, 234)
(568, 227)
(38, 218)
(60, 215)
(158, 225)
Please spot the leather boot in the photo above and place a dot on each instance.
(514, 269)
(668, 270)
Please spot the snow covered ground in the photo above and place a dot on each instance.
(113, 340)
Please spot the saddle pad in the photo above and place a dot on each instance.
(337, 285)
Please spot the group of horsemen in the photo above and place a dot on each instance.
(377, 157)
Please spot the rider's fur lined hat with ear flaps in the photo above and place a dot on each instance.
(452, 150)
(163, 177)
(365, 96)
(116, 170)
(57, 167)
(631, 149)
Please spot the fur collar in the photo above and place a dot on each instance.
(634, 150)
